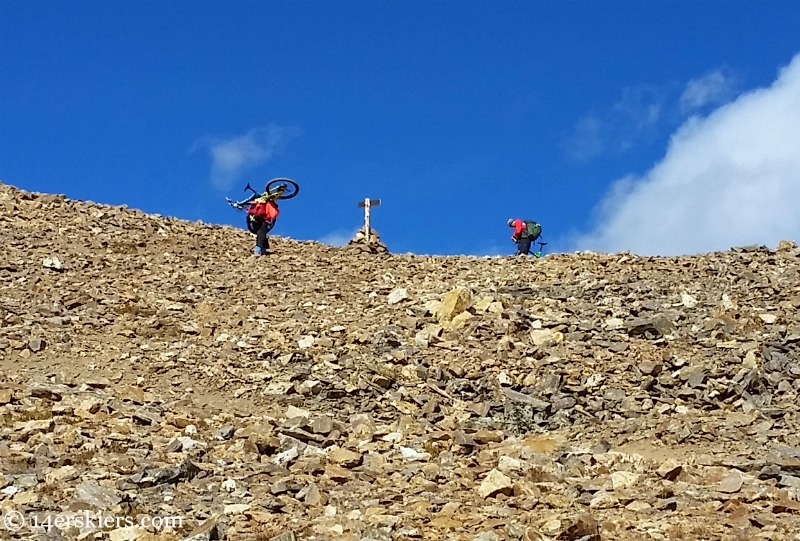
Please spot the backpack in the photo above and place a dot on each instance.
(260, 208)
(532, 230)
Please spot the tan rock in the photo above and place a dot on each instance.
(453, 303)
(494, 483)
(345, 457)
(732, 482)
(129, 533)
(6, 396)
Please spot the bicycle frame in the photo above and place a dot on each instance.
(283, 186)
(270, 196)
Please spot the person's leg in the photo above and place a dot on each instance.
(262, 237)
(265, 246)
(524, 246)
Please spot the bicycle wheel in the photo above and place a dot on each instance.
(289, 187)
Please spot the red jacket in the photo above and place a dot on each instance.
(268, 211)
(519, 228)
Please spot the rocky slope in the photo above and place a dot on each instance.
(154, 372)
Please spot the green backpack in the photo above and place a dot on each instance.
(532, 230)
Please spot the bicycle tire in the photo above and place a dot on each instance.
(292, 188)
(254, 225)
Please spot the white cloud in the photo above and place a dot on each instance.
(586, 142)
(632, 119)
(730, 179)
(711, 89)
(231, 157)
(339, 238)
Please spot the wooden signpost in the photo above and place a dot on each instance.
(366, 204)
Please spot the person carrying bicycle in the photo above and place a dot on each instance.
(525, 232)
(263, 211)
(261, 217)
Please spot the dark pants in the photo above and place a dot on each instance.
(524, 246)
(261, 229)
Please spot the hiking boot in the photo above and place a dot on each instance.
(257, 252)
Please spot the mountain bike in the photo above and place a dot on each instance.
(276, 189)
(538, 255)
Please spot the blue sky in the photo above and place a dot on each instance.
(661, 128)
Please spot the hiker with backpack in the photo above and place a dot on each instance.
(525, 232)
